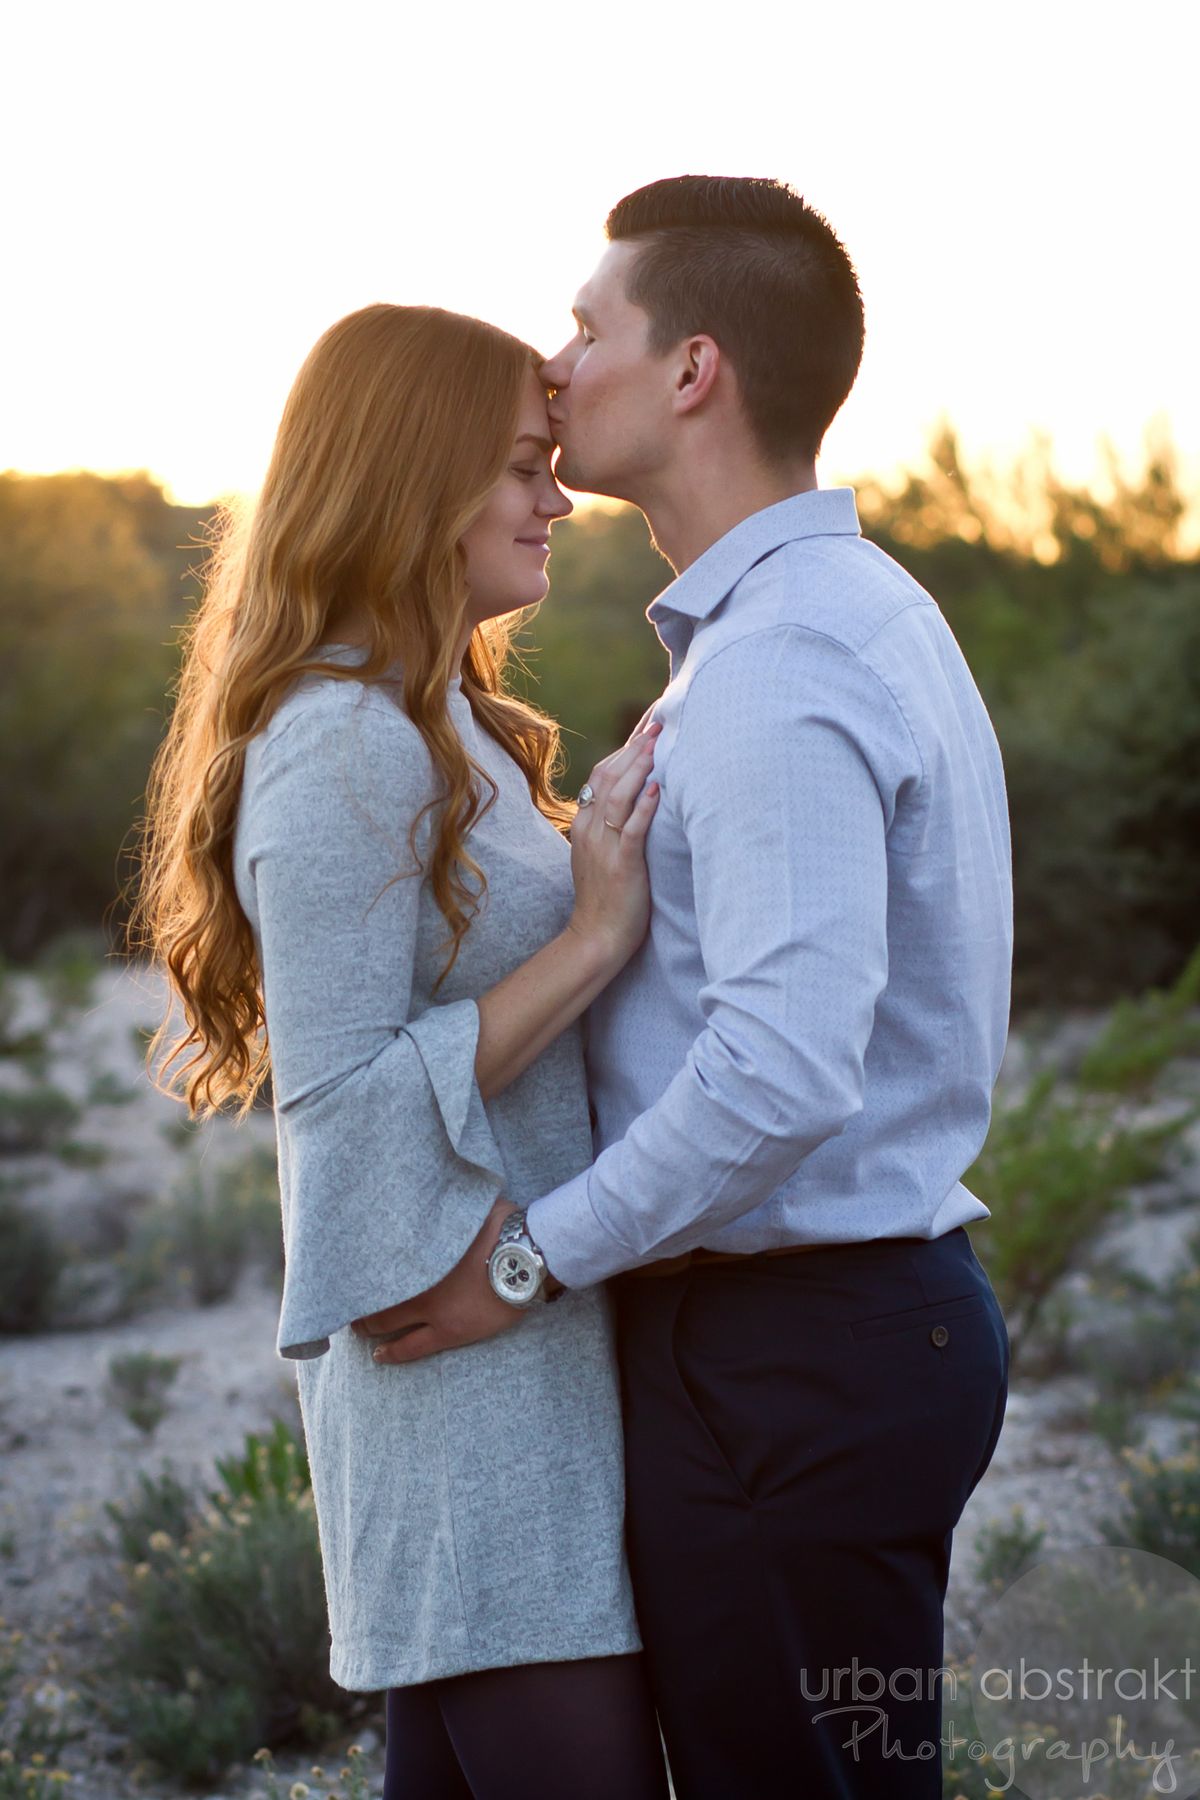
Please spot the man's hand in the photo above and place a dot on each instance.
(462, 1308)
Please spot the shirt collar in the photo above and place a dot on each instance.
(821, 512)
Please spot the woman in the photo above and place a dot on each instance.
(357, 879)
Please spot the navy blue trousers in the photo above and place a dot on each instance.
(802, 1434)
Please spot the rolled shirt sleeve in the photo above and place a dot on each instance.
(387, 1162)
(783, 790)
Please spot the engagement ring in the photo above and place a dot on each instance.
(586, 794)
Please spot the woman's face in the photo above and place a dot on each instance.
(508, 543)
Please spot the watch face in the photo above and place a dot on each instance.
(515, 1274)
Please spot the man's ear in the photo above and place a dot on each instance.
(696, 371)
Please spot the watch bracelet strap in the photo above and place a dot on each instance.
(522, 1230)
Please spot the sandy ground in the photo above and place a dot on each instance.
(65, 1449)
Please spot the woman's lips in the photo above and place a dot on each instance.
(542, 544)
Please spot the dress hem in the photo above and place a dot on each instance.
(361, 1673)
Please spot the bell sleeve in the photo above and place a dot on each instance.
(387, 1162)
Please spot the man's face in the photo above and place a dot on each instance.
(611, 409)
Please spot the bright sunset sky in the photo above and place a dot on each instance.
(194, 192)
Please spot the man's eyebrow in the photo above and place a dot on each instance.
(541, 442)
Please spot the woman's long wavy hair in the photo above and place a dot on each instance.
(396, 429)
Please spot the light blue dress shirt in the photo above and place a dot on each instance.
(805, 1046)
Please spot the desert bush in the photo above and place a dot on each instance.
(161, 1504)
(31, 1263)
(32, 1737)
(351, 1773)
(254, 1187)
(275, 1464)
(107, 1089)
(1054, 1170)
(26, 1046)
(222, 1645)
(1006, 1549)
(138, 1384)
(196, 1241)
(1149, 1351)
(1144, 1034)
(1137, 1343)
(40, 1117)
(68, 969)
(1184, 1403)
(1046, 1347)
(1161, 1511)
(78, 1153)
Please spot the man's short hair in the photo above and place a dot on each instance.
(749, 263)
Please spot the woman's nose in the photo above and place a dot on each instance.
(555, 505)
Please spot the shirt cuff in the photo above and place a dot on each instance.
(579, 1251)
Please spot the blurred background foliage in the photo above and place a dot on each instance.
(1080, 620)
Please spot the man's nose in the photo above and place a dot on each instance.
(555, 372)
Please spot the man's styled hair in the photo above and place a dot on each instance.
(748, 263)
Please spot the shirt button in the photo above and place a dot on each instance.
(939, 1336)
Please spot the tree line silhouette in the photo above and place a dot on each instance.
(1079, 617)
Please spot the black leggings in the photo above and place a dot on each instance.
(535, 1732)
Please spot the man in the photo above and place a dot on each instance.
(795, 1070)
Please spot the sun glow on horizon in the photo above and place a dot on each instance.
(181, 244)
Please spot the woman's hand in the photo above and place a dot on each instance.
(461, 1308)
(608, 851)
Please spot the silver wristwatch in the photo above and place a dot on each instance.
(516, 1267)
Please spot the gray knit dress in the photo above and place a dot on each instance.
(470, 1506)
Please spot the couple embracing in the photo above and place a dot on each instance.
(644, 1360)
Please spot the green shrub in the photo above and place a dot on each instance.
(1162, 1507)
(31, 1263)
(35, 1118)
(32, 1737)
(107, 1089)
(276, 1464)
(69, 968)
(138, 1384)
(1054, 1171)
(1117, 1419)
(79, 1153)
(214, 1223)
(29, 1048)
(1148, 1352)
(223, 1642)
(1140, 1351)
(351, 1773)
(161, 1504)
(1006, 1549)
(1184, 1403)
(1144, 1034)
